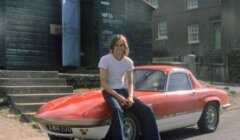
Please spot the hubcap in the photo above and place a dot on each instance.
(129, 129)
(211, 116)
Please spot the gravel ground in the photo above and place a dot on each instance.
(12, 129)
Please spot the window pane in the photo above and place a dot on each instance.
(150, 80)
(178, 81)
(192, 4)
(162, 30)
(193, 33)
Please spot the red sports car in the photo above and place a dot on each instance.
(175, 95)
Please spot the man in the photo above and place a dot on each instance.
(113, 68)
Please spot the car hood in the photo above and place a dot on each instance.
(88, 105)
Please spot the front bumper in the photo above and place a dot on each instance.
(74, 128)
(224, 107)
(93, 133)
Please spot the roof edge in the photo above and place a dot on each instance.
(149, 4)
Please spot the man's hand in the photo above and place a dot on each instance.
(130, 102)
(122, 100)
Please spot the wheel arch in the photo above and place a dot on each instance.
(212, 100)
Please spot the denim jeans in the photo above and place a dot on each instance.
(144, 114)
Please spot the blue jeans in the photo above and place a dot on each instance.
(144, 114)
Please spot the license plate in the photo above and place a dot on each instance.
(59, 129)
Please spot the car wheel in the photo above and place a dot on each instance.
(209, 118)
(131, 126)
(53, 137)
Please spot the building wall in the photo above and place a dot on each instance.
(112, 20)
(231, 37)
(230, 24)
(172, 12)
(28, 42)
(139, 31)
(178, 17)
(2, 50)
(131, 18)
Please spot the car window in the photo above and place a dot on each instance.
(150, 80)
(178, 81)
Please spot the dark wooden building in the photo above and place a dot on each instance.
(108, 17)
(207, 28)
(25, 39)
(30, 37)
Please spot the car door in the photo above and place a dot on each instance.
(180, 95)
(179, 108)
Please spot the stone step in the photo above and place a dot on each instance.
(40, 97)
(26, 107)
(28, 74)
(32, 81)
(28, 117)
(36, 89)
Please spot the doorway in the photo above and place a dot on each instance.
(216, 26)
(88, 31)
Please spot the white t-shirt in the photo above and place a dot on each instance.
(116, 70)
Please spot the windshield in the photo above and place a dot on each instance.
(150, 80)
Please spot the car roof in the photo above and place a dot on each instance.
(166, 68)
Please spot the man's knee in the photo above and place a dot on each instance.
(147, 109)
(117, 110)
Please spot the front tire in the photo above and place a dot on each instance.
(131, 127)
(209, 118)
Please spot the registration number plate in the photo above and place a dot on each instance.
(60, 129)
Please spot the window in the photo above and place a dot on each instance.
(149, 80)
(192, 4)
(193, 33)
(178, 81)
(162, 30)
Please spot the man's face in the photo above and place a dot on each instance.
(118, 48)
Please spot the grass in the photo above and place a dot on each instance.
(79, 90)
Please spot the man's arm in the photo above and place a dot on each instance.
(130, 88)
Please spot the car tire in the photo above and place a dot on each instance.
(131, 126)
(209, 118)
(53, 137)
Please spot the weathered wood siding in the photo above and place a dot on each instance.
(131, 18)
(2, 33)
(139, 28)
(112, 20)
(28, 42)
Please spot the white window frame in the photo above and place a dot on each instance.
(192, 4)
(193, 33)
(162, 30)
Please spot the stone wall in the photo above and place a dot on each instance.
(81, 80)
